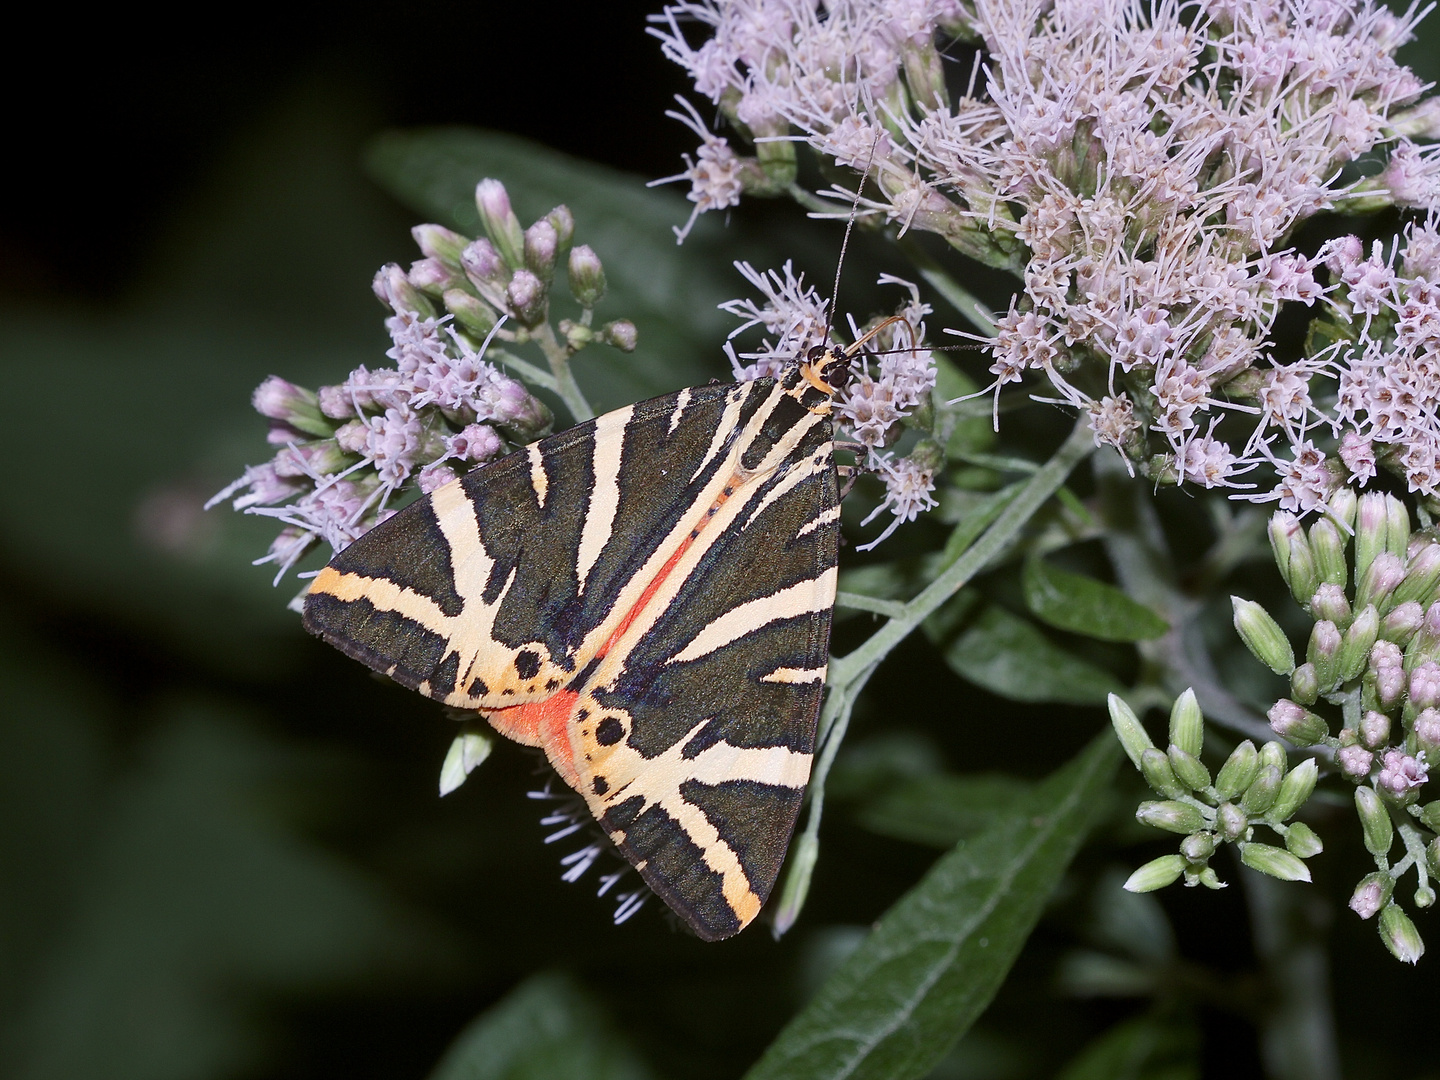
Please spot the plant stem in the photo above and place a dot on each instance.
(565, 385)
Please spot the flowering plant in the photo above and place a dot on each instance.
(1159, 180)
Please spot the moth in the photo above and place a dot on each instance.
(646, 597)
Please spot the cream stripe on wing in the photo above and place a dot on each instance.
(538, 478)
(825, 517)
(383, 595)
(778, 766)
(470, 564)
(681, 400)
(796, 475)
(795, 675)
(725, 428)
(802, 598)
(605, 495)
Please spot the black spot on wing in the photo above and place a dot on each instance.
(674, 867)
(755, 820)
(378, 639)
(444, 678)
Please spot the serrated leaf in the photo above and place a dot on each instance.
(1009, 656)
(1083, 605)
(547, 1028)
(936, 958)
(941, 810)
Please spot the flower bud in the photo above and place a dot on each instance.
(464, 756)
(1371, 894)
(1329, 602)
(1432, 855)
(1427, 732)
(1159, 773)
(353, 436)
(1189, 770)
(1397, 527)
(1422, 574)
(1197, 847)
(1262, 635)
(1209, 879)
(1342, 505)
(522, 416)
(485, 268)
(1239, 770)
(803, 855)
(576, 335)
(1260, 795)
(1293, 556)
(587, 276)
(1277, 862)
(1424, 896)
(1328, 545)
(1374, 729)
(1187, 725)
(336, 403)
(1304, 686)
(1172, 816)
(1386, 573)
(1401, 622)
(1374, 821)
(1400, 935)
(1155, 874)
(324, 456)
(1370, 525)
(1355, 762)
(1273, 754)
(1323, 651)
(473, 314)
(1425, 645)
(1301, 841)
(1294, 790)
(438, 242)
(394, 290)
(1429, 816)
(526, 297)
(1356, 642)
(563, 222)
(620, 334)
(542, 245)
(1128, 729)
(290, 404)
(501, 224)
(1401, 774)
(1231, 822)
(1424, 685)
(1293, 722)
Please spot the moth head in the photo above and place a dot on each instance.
(826, 368)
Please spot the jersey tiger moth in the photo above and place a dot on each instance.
(647, 598)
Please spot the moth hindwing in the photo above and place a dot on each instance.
(647, 597)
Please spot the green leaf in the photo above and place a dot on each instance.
(1009, 656)
(941, 810)
(1083, 605)
(937, 957)
(547, 1028)
(1145, 1048)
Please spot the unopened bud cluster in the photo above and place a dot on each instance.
(1253, 787)
(348, 451)
(1368, 685)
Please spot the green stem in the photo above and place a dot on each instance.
(1032, 496)
(861, 602)
(565, 385)
(523, 368)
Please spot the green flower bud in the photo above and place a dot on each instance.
(473, 314)
(803, 855)
(1397, 527)
(1302, 842)
(1422, 574)
(1424, 896)
(1209, 879)
(1304, 685)
(1371, 894)
(778, 160)
(1128, 729)
(279, 399)
(1159, 774)
(542, 245)
(1342, 504)
(577, 335)
(1301, 726)
(1374, 729)
(1190, 770)
(1260, 795)
(464, 756)
(1272, 753)
(438, 242)
(1401, 622)
(1295, 789)
(501, 224)
(1262, 636)
(1429, 815)
(1400, 935)
(1238, 771)
(1323, 651)
(1187, 725)
(1293, 556)
(1355, 645)
(563, 222)
(1329, 602)
(1197, 847)
(1231, 822)
(620, 334)
(587, 276)
(1378, 584)
(1277, 862)
(1328, 545)
(1432, 855)
(1370, 525)
(1155, 874)
(1374, 821)
(1172, 816)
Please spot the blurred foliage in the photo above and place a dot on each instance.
(224, 854)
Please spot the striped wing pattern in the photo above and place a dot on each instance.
(647, 597)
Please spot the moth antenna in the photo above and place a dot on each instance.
(845, 242)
